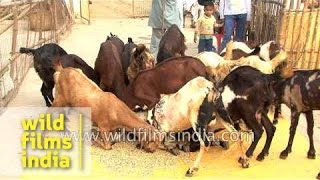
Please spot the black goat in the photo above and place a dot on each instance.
(44, 60)
(301, 93)
(246, 94)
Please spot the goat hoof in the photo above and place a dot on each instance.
(240, 160)
(139, 146)
(284, 154)
(318, 177)
(189, 173)
(275, 121)
(245, 164)
(311, 155)
(196, 169)
(174, 151)
(260, 157)
(186, 148)
(225, 145)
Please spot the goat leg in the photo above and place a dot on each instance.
(204, 146)
(45, 94)
(106, 143)
(253, 124)
(277, 112)
(294, 122)
(270, 129)
(243, 160)
(310, 125)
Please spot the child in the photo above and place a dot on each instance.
(204, 28)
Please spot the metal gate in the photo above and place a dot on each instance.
(141, 8)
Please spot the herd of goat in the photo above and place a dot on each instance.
(181, 92)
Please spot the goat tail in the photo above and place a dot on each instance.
(57, 65)
(130, 40)
(27, 50)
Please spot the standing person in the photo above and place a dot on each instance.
(164, 13)
(234, 13)
(205, 27)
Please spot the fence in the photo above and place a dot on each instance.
(26, 24)
(300, 34)
(293, 23)
(141, 8)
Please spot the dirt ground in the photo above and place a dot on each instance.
(125, 161)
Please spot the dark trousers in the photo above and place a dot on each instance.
(205, 45)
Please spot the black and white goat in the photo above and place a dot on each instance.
(247, 93)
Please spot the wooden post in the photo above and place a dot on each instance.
(306, 40)
(56, 39)
(314, 36)
(133, 9)
(13, 68)
(318, 48)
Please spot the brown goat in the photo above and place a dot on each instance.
(109, 67)
(74, 89)
(166, 78)
(141, 59)
(172, 44)
(117, 42)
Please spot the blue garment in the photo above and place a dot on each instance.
(229, 22)
(205, 45)
(164, 13)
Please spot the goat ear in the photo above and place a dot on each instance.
(139, 49)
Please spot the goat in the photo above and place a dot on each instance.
(266, 51)
(117, 42)
(172, 44)
(247, 93)
(44, 58)
(301, 94)
(219, 68)
(72, 60)
(126, 56)
(165, 78)
(180, 111)
(140, 59)
(74, 89)
(109, 68)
